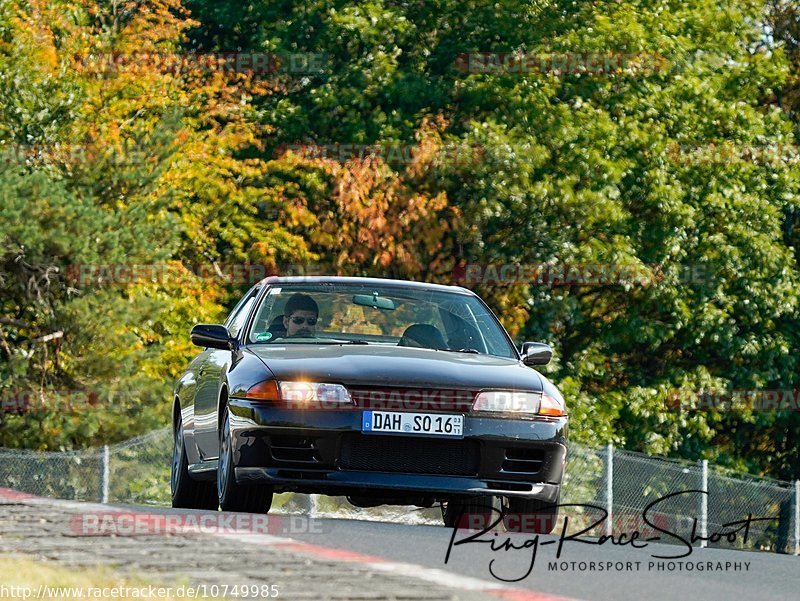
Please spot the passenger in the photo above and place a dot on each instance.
(423, 335)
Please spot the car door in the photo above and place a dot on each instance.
(210, 375)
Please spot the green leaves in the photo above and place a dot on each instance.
(678, 165)
(621, 167)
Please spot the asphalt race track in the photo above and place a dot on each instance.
(351, 559)
(769, 577)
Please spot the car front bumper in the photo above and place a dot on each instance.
(325, 451)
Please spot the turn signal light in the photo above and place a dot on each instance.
(552, 407)
(264, 391)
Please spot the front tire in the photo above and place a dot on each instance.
(253, 498)
(530, 515)
(188, 493)
(469, 513)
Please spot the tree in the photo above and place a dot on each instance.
(664, 166)
(371, 215)
(144, 149)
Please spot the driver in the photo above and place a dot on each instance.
(300, 316)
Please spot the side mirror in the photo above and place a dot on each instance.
(536, 353)
(211, 335)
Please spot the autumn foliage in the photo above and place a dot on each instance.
(141, 132)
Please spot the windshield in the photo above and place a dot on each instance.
(380, 315)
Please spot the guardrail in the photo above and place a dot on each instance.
(621, 483)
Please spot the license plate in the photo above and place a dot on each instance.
(420, 424)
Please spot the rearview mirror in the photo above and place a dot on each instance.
(536, 353)
(374, 301)
(211, 335)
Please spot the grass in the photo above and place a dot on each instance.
(21, 578)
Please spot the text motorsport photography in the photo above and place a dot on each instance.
(667, 542)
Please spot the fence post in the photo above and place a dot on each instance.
(104, 478)
(704, 502)
(797, 517)
(610, 489)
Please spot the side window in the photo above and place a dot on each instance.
(266, 314)
(239, 315)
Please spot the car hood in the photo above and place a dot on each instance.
(395, 366)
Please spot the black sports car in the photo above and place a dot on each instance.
(386, 391)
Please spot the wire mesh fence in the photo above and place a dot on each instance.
(632, 491)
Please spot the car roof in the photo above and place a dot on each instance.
(332, 279)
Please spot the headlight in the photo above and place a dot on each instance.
(302, 394)
(315, 392)
(517, 403)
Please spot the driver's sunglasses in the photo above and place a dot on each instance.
(312, 321)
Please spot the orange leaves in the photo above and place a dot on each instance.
(158, 125)
(135, 74)
(376, 219)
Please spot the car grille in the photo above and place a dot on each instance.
(413, 399)
(409, 455)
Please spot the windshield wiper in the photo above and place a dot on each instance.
(309, 340)
(471, 351)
